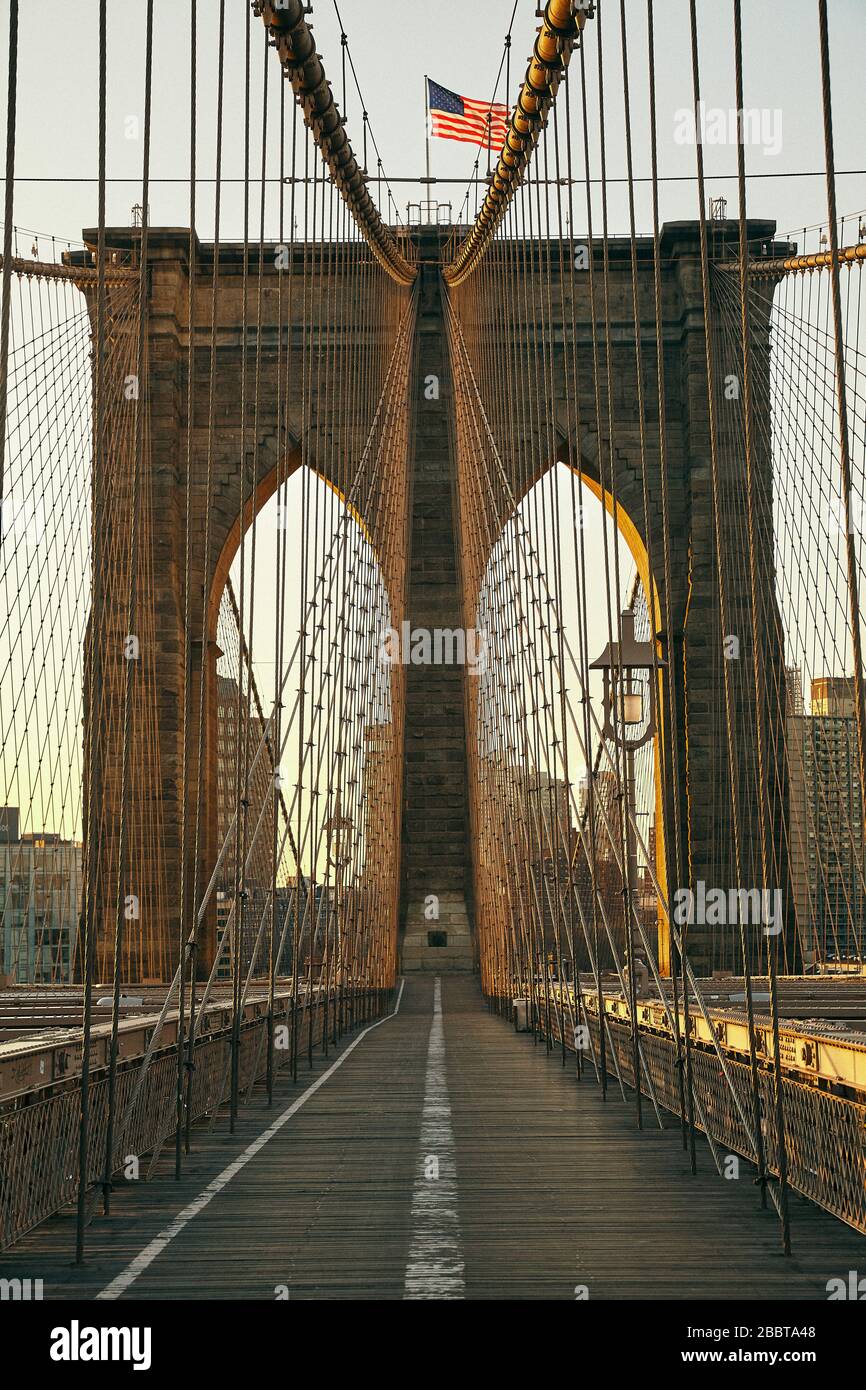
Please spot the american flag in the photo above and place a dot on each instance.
(459, 118)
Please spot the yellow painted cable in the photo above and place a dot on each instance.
(561, 27)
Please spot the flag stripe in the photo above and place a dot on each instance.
(468, 139)
(479, 141)
(454, 117)
(471, 107)
(497, 123)
(480, 128)
(467, 128)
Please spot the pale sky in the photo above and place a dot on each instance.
(393, 45)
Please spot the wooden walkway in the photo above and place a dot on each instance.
(444, 1157)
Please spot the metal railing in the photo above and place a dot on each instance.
(39, 1140)
(825, 1134)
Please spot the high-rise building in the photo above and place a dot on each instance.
(40, 903)
(826, 819)
(836, 863)
(833, 696)
(258, 877)
(797, 724)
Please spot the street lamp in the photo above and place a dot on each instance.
(623, 695)
(625, 713)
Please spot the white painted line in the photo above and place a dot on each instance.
(435, 1268)
(118, 1286)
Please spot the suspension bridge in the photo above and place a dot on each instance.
(431, 687)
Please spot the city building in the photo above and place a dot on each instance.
(836, 864)
(40, 903)
(259, 829)
(826, 821)
(797, 724)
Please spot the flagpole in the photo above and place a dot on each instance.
(427, 132)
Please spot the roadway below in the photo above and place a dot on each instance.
(440, 1155)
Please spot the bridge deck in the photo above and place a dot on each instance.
(541, 1188)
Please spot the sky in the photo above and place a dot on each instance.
(393, 45)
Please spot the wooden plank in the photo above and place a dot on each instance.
(555, 1189)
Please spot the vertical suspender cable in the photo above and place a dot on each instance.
(184, 899)
(596, 377)
(99, 486)
(241, 723)
(11, 111)
(723, 607)
(621, 754)
(97, 490)
(641, 408)
(683, 1044)
(203, 654)
(132, 609)
(757, 635)
(282, 411)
